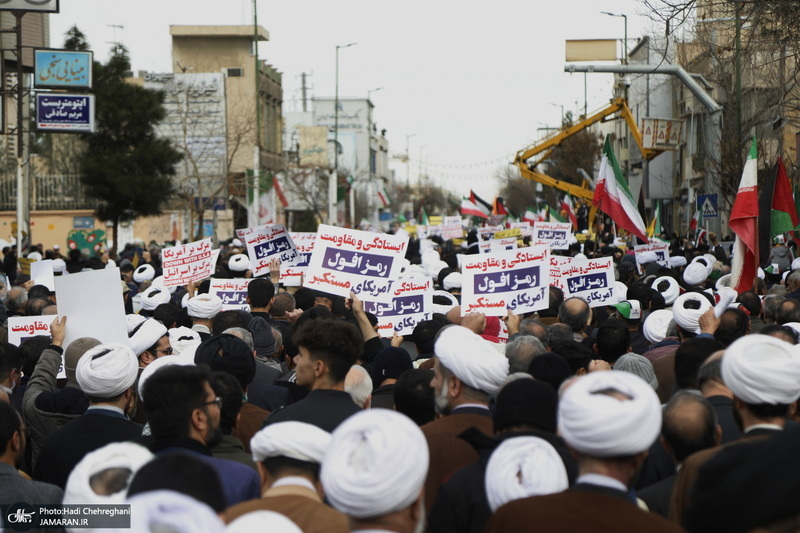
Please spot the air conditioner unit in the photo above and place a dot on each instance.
(234, 72)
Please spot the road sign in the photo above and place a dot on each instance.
(707, 204)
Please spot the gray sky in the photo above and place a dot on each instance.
(473, 81)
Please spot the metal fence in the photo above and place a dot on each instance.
(48, 193)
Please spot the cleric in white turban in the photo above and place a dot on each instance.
(669, 288)
(471, 359)
(695, 274)
(103, 476)
(522, 467)
(688, 309)
(152, 298)
(239, 263)
(644, 258)
(204, 306)
(760, 369)
(676, 261)
(166, 510)
(656, 325)
(146, 335)
(295, 440)
(144, 273)
(262, 521)
(375, 466)
(107, 370)
(609, 414)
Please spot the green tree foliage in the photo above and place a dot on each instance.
(126, 166)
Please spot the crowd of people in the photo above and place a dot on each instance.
(673, 409)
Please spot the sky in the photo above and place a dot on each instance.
(472, 83)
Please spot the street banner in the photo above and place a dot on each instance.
(411, 303)
(347, 260)
(232, 292)
(506, 233)
(591, 280)
(268, 242)
(293, 271)
(515, 280)
(554, 234)
(187, 262)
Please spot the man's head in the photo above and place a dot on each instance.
(228, 389)
(228, 353)
(149, 341)
(31, 349)
(793, 281)
(575, 313)
(182, 473)
(358, 385)
(689, 357)
(10, 365)
(613, 340)
(467, 369)
(532, 326)
(282, 304)
(106, 374)
(103, 475)
(12, 436)
(524, 405)
(771, 303)
(291, 448)
(390, 451)
(414, 397)
(734, 323)
(578, 356)
(235, 318)
(15, 299)
(788, 311)
(204, 307)
(750, 301)
(559, 333)
(180, 403)
(327, 350)
(521, 351)
(260, 294)
(689, 425)
(424, 335)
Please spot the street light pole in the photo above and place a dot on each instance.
(562, 111)
(408, 159)
(625, 41)
(334, 177)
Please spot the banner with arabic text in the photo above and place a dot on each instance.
(21, 328)
(591, 280)
(554, 234)
(502, 244)
(517, 280)
(232, 292)
(268, 242)
(292, 271)
(661, 249)
(187, 262)
(347, 260)
(411, 303)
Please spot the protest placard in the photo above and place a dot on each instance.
(557, 262)
(232, 292)
(265, 243)
(506, 233)
(661, 249)
(293, 271)
(25, 264)
(501, 245)
(554, 234)
(347, 260)
(591, 280)
(524, 227)
(517, 280)
(485, 246)
(93, 305)
(451, 228)
(411, 303)
(21, 328)
(42, 273)
(489, 231)
(187, 262)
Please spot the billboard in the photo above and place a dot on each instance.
(313, 149)
(62, 69)
(72, 113)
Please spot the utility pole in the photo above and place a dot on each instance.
(304, 89)
(334, 177)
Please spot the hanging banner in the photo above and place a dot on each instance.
(591, 280)
(232, 292)
(187, 262)
(265, 243)
(411, 303)
(347, 260)
(554, 234)
(515, 280)
(292, 272)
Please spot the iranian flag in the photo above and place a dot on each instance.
(384, 197)
(566, 205)
(530, 216)
(613, 197)
(744, 223)
(470, 209)
(697, 220)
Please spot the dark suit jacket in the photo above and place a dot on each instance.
(447, 451)
(724, 408)
(251, 419)
(65, 448)
(268, 397)
(578, 510)
(266, 374)
(323, 408)
(299, 504)
(657, 496)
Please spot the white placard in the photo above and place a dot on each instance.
(21, 328)
(517, 280)
(187, 262)
(661, 249)
(232, 292)
(293, 271)
(412, 302)
(92, 302)
(42, 273)
(555, 234)
(265, 243)
(591, 280)
(525, 227)
(557, 262)
(502, 245)
(347, 260)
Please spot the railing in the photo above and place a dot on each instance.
(48, 193)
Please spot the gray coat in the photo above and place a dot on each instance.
(15, 489)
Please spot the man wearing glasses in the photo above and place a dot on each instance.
(149, 341)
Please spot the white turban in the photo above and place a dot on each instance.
(671, 292)
(183, 340)
(262, 521)
(376, 464)
(760, 273)
(442, 308)
(153, 297)
(159, 283)
(115, 455)
(796, 263)
(416, 271)
(296, 440)
(133, 320)
(36, 256)
(621, 290)
(656, 325)
(59, 265)
(147, 335)
(676, 261)
(144, 273)
(580, 256)
(204, 306)
(107, 370)
(723, 281)
(646, 257)
(695, 274)
(166, 510)
(429, 257)
(688, 319)
(434, 268)
(159, 363)
(236, 243)
(239, 263)
(454, 280)
(471, 359)
(521, 467)
(762, 369)
(597, 424)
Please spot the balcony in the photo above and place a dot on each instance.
(48, 193)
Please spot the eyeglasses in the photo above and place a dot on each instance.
(167, 351)
(217, 401)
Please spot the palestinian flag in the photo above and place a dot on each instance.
(470, 209)
(777, 211)
(499, 207)
(480, 203)
(613, 197)
(744, 223)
